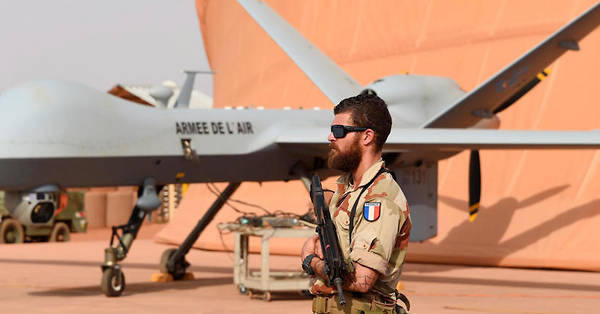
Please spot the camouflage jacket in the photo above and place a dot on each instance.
(381, 224)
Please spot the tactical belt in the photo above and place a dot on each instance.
(373, 296)
(321, 303)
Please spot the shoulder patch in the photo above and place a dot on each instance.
(372, 211)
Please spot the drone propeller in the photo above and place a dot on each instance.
(474, 162)
(474, 184)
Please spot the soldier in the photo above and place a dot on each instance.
(369, 210)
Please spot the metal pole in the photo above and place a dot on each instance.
(185, 247)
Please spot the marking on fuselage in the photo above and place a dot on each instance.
(213, 128)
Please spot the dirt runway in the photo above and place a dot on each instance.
(65, 278)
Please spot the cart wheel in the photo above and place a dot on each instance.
(243, 289)
(113, 282)
(60, 233)
(267, 296)
(11, 231)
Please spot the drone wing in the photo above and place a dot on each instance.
(332, 80)
(453, 140)
(514, 81)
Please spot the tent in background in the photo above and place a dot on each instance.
(539, 208)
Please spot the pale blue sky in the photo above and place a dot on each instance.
(101, 43)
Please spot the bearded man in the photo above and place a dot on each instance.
(369, 210)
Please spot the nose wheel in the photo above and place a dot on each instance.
(113, 281)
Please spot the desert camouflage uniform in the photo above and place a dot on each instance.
(378, 243)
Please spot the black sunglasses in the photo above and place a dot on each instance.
(340, 131)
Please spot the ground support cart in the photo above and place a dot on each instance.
(265, 281)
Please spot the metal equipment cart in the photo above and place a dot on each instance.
(265, 281)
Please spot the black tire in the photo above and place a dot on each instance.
(60, 233)
(180, 267)
(113, 282)
(242, 289)
(164, 259)
(11, 231)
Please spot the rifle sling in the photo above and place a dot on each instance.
(353, 212)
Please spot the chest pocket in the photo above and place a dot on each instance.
(343, 221)
(357, 201)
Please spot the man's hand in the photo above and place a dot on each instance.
(319, 287)
(313, 246)
(310, 247)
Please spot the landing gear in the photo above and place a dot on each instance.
(113, 278)
(173, 261)
(180, 266)
(113, 281)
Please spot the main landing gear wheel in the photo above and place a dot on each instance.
(60, 233)
(113, 282)
(179, 272)
(11, 231)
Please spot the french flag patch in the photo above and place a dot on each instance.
(372, 211)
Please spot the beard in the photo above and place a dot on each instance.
(344, 161)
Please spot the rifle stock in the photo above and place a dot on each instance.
(332, 253)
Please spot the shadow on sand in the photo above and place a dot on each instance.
(501, 282)
(152, 266)
(136, 288)
(489, 230)
(150, 287)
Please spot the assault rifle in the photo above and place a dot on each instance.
(332, 254)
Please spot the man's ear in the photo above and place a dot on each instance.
(368, 137)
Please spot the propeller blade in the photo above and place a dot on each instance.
(474, 185)
(529, 86)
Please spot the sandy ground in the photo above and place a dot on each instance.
(65, 278)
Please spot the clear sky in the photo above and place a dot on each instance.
(101, 43)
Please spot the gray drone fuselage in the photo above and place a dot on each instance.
(70, 135)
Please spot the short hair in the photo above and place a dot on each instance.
(369, 111)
